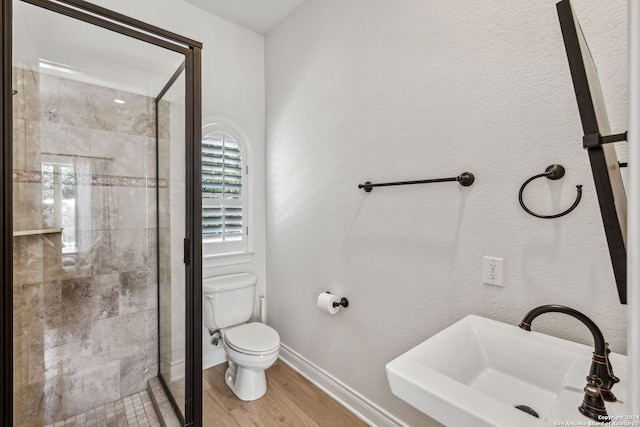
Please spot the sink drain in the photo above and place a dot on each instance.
(528, 410)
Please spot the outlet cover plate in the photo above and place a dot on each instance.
(492, 271)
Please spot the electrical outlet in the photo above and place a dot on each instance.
(492, 271)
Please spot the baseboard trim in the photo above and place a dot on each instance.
(362, 407)
(176, 370)
(213, 358)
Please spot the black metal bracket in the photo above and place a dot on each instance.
(552, 172)
(596, 140)
(465, 179)
(343, 302)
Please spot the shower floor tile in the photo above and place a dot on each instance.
(132, 411)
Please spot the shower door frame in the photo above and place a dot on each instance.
(192, 51)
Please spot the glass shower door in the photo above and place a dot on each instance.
(171, 232)
(100, 201)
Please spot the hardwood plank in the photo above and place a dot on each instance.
(317, 404)
(252, 415)
(205, 382)
(274, 408)
(214, 414)
(215, 377)
(291, 400)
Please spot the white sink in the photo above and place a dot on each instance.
(477, 370)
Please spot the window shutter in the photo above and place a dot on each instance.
(221, 188)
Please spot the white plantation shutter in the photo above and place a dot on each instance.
(222, 193)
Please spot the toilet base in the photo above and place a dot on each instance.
(246, 383)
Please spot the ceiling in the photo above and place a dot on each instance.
(260, 16)
(49, 43)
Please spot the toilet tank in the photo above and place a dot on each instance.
(228, 300)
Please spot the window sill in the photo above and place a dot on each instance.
(221, 260)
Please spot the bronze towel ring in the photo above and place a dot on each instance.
(552, 172)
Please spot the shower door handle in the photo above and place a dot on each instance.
(186, 258)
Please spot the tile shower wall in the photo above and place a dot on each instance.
(85, 323)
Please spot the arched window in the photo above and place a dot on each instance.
(224, 191)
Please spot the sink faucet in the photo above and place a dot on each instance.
(601, 377)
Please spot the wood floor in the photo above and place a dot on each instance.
(291, 400)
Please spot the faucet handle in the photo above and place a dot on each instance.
(593, 403)
(593, 385)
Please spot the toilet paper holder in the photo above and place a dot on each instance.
(343, 302)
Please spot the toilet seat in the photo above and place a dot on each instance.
(252, 338)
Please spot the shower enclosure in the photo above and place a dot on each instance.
(100, 235)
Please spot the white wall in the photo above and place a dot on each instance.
(233, 89)
(634, 203)
(393, 90)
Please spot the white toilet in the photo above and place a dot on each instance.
(251, 347)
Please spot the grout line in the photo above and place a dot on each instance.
(134, 410)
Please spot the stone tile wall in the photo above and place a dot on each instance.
(85, 329)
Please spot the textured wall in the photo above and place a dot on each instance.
(634, 202)
(392, 90)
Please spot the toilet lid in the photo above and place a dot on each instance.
(252, 337)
